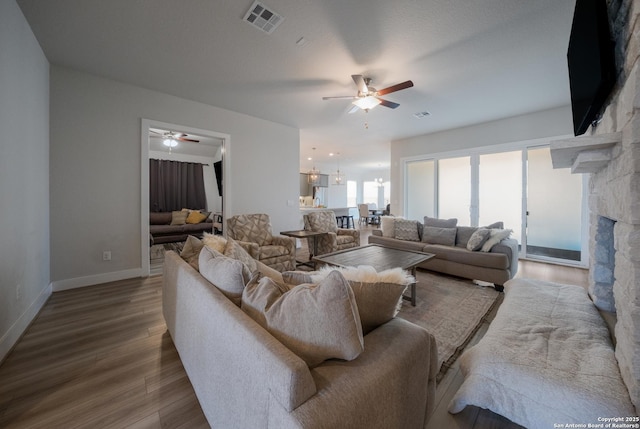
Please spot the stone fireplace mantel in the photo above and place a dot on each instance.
(584, 154)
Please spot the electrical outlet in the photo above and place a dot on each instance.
(106, 255)
(18, 292)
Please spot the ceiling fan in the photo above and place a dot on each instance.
(171, 138)
(368, 97)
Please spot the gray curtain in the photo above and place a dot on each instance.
(174, 185)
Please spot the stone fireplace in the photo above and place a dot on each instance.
(610, 153)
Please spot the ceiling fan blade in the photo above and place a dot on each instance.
(397, 87)
(340, 97)
(389, 104)
(359, 80)
(155, 132)
(188, 140)
(353, 109)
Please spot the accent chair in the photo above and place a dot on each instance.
(335, 238)
(253, 232)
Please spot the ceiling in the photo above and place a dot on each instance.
(471, 61)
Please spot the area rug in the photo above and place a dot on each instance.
(452, 309)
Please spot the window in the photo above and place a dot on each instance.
(352, 193)
(370, 193)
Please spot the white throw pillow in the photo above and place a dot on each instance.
(223, 272)
(216, 242)
(497, 235)
(387, 224)
(316, 322)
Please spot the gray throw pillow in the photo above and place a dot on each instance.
(440, 223)
(406, 230)
(463, 234)
(435, 235)
(478, 238)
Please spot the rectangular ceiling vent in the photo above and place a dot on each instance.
(262, 17)
(421, 115)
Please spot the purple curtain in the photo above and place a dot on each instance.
(174, 185)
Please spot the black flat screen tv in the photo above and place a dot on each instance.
(591, 61)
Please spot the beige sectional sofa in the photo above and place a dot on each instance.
(496, 266)
(246, 378)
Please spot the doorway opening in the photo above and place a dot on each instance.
(180, 144)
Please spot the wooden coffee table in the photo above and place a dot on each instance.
(379, 257)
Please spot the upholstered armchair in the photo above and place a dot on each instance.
(335, 239)
(253, 232)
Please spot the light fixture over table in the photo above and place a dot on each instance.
(339, 176)
(313, 175)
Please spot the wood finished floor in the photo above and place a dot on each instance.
(100, 357)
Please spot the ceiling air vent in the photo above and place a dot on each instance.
(262, 17)
(421, 115)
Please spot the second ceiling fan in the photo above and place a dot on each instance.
(368, 97)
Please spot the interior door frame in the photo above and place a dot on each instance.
(227, 203)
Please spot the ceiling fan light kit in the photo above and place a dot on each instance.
(368, 97)
(170, 142)
(367, 103)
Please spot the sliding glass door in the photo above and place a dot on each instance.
(420, 188)
(454, 189)
(554, 209)
(541, 205)
(500, 190)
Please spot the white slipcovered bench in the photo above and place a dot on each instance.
(546, 359)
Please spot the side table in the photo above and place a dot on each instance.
(301, 234)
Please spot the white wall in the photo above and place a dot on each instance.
(24, 176)
(546, 123)
(96, 161)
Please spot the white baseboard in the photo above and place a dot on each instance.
(14, 333)
(78, 282)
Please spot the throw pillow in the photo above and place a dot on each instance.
(497, 235)
(406, 230)
(191, 251)
(378, 295)
(440, 223)
(179, 217)
(463, 234)
(236, 251)
(436, 235)
(387, 224)
(316, 322)
(223, 272)
(496, 225)
(478, 238)
(195, 217)
(296, 277)
(217, 242)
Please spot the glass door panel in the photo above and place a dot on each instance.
(454, 189)
(500, 190)
(554, 205)
(420, 197)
